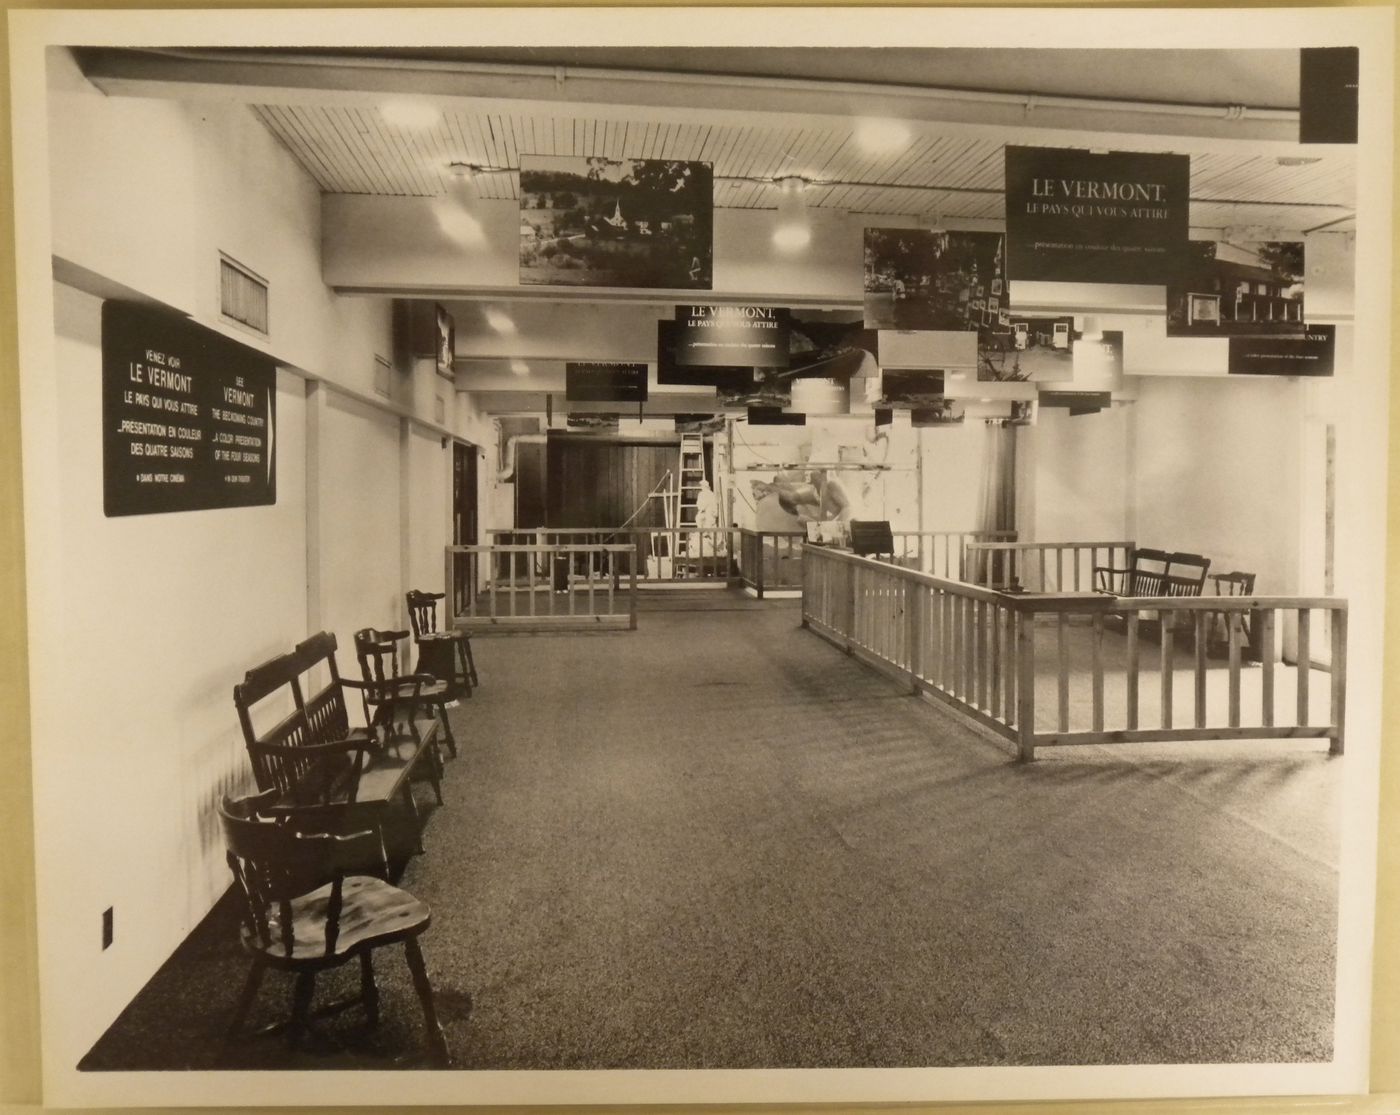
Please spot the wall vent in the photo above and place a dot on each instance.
(242, 295)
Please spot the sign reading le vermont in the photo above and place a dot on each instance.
(1074, 216)
(187, 416)
(728, 336)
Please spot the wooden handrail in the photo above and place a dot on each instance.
(976, 649)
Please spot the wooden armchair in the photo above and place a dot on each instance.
(447, 655)
(1144, 575)
(396, 704)
(304, 911)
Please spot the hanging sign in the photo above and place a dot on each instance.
(918, 387)
(1312, 354)
(605, 383)
(188, 416)
(725, 336)
(1328, 79)
(1075, 400)
(1078, 217)
(671, 373)
(775, 416)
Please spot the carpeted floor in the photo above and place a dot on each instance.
(719, 842)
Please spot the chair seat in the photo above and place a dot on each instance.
(373, 913)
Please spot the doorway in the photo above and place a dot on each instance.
(464, 519)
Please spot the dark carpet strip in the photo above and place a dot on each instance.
(717, 842)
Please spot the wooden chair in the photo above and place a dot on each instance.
(1218, 625)
(394, 702)
(1186, 575)
(446, 655)
(1144, 575)
(390, 694)
(304, 911)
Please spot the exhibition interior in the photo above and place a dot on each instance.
(600, 557)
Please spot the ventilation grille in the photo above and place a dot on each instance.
(242, 295)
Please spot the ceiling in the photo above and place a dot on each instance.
(769, 113)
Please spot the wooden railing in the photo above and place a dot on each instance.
(1016, 664)
(1040, 566)
(771, 561)
(543, 586)
(660, 555)
(942, 552)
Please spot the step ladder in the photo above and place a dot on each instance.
(692, 481)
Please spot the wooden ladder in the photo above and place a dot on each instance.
(692, 480)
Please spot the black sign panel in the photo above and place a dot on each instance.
(946, 413)
(871, 536)
(775, 416)
(1075, 400)
(1077, 217)
(668, 371)
(725, 336)
(188, 416)
(605, 383)
(1312, 354)
(1329, 79)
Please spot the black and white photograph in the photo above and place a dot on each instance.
(595, 221)
(1238, 289)
(504, 739)
(925, 279)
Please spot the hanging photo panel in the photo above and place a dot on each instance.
(945, 412)
(1311, 354)
(1021, 347)
(1077, 217)
(1250, 288)
(446, 347)
(832, 350)
(725, 336)
(911, 387)
(1329, 82)
(920, 279)
(188, 416)
(616, 223)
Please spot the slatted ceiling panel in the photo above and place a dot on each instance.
(348, 150)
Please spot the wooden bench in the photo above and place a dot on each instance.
(1154, 573)
(314, 759)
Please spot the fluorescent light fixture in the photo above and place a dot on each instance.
(518, 367)
(408, 112)
(793, 230)
(882, 136)
(500, 321)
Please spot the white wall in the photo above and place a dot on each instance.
(140, 626)
(1078, 469)
(1218, 473)
(358, 495)
(427, 526)
(159, 616)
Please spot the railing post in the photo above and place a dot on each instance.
(1025, 684)
(1339, 681)
(451, 586)
(911, 633)
(632, 598)
(762, 562)
(850, 624)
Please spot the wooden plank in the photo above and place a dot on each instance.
(1025, 687)
(1132, 670)
(1232, 629)
(1097, 641)
(1339, 681)
(1164, 632)
(1177, 735)
(1059, 569)
(1062, 668)
(1008, 666)
(1266, 643)
(1304, 667)
(1199, 643)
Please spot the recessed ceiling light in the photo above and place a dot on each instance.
(883, 136)
(518, 367)
(409, 113)
(499, 320)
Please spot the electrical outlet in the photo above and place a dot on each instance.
(107, 927)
